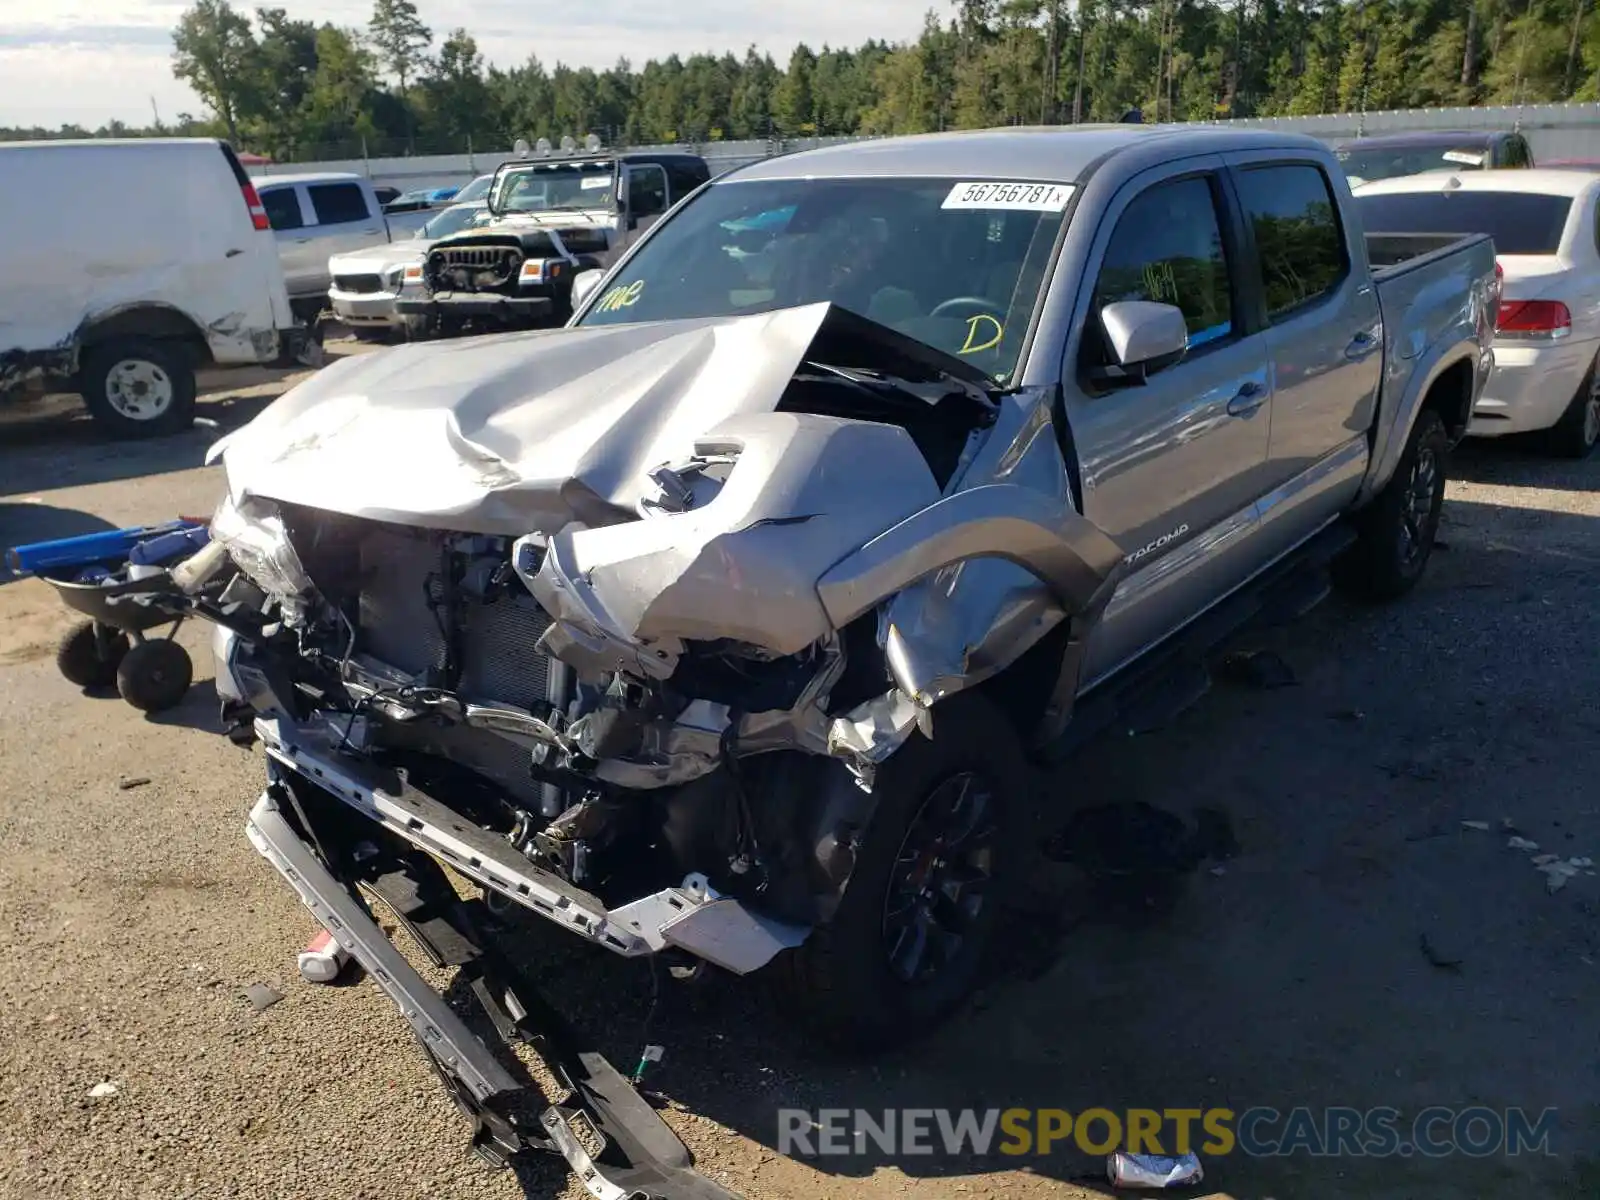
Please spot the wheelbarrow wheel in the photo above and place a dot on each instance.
(90, 654)
(155, 675)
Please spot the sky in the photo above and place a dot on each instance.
(91, 61)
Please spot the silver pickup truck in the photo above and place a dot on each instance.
(726, 624)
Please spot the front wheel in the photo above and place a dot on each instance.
(1395, 532)
(914, 931)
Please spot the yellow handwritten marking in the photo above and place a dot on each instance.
(972, 334)
(621, 297)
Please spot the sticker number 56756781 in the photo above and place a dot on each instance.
(1029, 197)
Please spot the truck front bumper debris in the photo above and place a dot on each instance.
(615, 1142)
(475, 304)
(694, 917)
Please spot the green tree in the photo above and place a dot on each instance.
(215, 52)
(341, 100)
(400, 38)
(460, 102)
(287, 66)
(793, 105)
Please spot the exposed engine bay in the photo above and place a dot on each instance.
(660, 655)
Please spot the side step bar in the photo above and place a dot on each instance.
(618, 1145)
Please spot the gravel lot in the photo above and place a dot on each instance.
(133, 919)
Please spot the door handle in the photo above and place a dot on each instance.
(302, 241)
(1360, 346)
(1250, 396)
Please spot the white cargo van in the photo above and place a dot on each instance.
(125, 266)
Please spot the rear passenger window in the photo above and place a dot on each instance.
(1297, 232)
(283, 208)
(338, 203)
(1167, 247)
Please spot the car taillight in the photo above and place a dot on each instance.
(258, 211)
(1534, 319)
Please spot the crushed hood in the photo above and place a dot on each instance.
(524, 433)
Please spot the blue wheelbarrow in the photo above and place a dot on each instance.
(100, 575)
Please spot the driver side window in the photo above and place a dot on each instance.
(647, 191)
(1167, 247)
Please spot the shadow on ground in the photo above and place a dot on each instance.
(1364, 948)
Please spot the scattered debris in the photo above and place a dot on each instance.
(1442, 961)
(1353, 715)
(1256, 668)
(1480, 826)
(136, 781)
(1521, 843)
(1558, 870)
(104, 1090)
(1509, 827)
(1219, 871)
(261, 996)
(1136, 855)
(322, 959)
(1153, 1170)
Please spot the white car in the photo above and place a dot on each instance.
(1546, 231)
(366, 282)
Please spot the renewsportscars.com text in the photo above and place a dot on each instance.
(1435, 1132)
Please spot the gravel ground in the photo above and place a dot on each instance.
(132, 919)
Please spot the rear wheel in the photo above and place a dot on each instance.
(1575, 434)
(914, 931)
(1395, 532)
(139, 387)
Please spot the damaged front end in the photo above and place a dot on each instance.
(624, 626)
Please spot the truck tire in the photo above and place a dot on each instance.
(139, 387)
(948, 843)
(1575, 434)
(1395, 532)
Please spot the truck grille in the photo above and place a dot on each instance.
(358, 284)
(473, 268)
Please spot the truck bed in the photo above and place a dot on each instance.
(1394, 254)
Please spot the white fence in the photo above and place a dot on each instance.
(1553, 131)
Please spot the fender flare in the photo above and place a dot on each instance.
(1071, 555)
(1390, 436)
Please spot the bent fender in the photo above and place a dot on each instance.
(1071, 555)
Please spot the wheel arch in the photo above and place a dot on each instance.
(158, 322)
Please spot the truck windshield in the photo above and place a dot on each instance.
(954, 264)
(1519, 222)
(1394, 161)
(451, 220)
(541, 187)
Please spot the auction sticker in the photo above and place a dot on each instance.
(1026, 197)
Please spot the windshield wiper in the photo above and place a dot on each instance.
(929, 393)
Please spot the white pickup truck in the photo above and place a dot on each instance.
(725, 624)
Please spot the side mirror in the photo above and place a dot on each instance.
(583, 283)
(1144, 336)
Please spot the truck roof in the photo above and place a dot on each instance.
(262, 181)
(106, 143)
(1052, 153)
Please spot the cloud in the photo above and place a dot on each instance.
(44, 37)
(94, 60)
